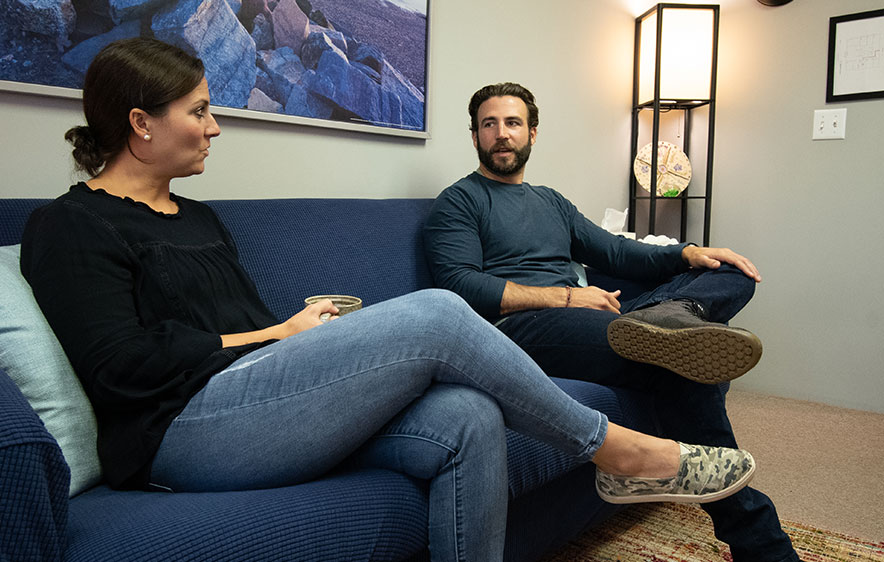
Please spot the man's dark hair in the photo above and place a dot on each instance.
(503, 89)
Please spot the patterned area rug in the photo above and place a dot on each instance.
(683, 533)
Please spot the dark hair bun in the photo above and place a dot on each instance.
(87, 153)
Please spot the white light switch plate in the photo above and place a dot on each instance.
(829, 124)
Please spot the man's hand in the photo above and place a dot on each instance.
(593, 297)
(712, 258)
(522, 297)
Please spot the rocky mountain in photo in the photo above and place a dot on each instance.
(283, 56)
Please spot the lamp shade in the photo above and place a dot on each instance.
(684, 36)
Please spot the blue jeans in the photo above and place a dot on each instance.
(418, 384)
(572, 343)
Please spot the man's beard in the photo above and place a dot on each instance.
(486, 157)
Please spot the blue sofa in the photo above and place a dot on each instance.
(293, 248)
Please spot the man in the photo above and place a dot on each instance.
(507, 248)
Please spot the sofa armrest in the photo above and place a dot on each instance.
(34, 486)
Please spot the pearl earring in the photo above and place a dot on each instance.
(146, 136)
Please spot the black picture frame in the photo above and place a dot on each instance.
(856, 57)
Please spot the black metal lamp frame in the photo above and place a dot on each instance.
(658, 106)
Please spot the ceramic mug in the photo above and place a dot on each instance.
(345, 303)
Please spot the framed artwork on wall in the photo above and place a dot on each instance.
(856, 57)
(347, 64)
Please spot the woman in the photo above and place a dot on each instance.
(197, 387)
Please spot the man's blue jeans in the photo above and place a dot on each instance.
(572, 343)
(420, 384)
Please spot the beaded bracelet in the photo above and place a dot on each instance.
(568, 300)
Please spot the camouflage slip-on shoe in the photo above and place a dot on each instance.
(673, 335)
(705, 474)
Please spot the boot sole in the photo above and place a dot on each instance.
(683, 498)
(708, 355)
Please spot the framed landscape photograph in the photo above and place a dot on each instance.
(347, 64)
(856, 57)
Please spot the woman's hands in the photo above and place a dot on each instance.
(313, 315)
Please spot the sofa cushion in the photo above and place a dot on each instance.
(32, 357)
(293, 249)
(366, 515)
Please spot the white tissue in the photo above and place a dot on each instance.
(614, 220)
(659, 240)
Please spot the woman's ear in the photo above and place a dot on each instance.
(139, 120)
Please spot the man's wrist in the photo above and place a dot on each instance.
(518, 297)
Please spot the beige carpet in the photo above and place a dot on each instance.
(683, 533)
(823, 467)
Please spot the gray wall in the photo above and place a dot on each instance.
(806, 212)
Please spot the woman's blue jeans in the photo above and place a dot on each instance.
(572, 343)
(418, 384)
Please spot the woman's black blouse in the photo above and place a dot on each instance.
(138, 300)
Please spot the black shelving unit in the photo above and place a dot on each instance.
(658, 107)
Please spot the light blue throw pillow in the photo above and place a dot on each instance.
(31, 355)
